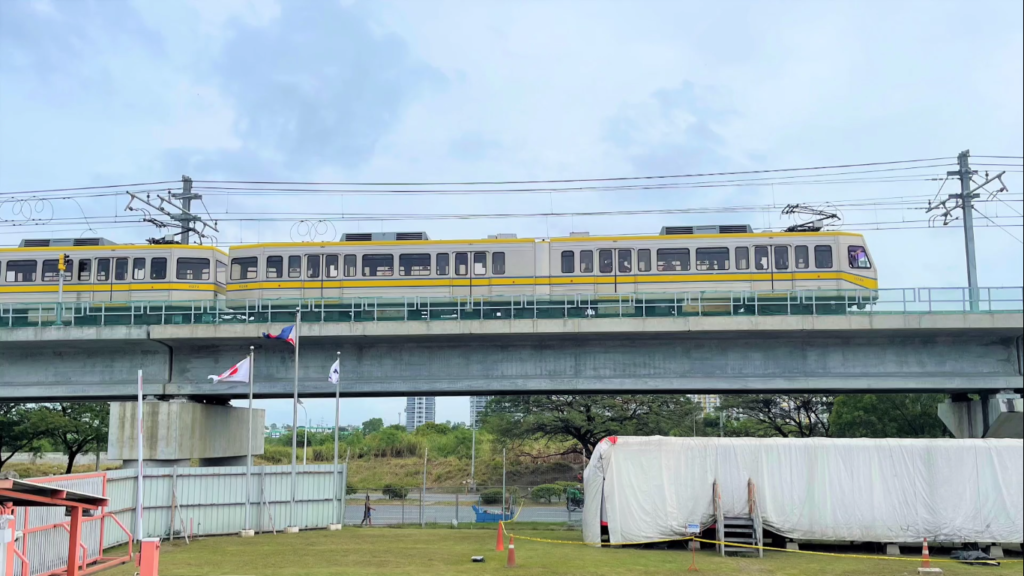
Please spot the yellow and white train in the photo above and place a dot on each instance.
(680, 259)
(99, 271)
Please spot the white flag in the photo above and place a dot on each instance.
(335, 376)
(238, 373)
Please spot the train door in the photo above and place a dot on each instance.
(104, 284)
(605, 280)
(461, 272)
(481, 284)
(313, 276)
(625, 271)
(120, 290)
(773, 268)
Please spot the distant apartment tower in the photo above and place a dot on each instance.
(418, 411)
(477, 405)
(707, 402)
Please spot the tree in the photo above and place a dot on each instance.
(433, 429)
(372, 426)
(273, 426)
(587, 419)
(888, 416)
(20, 430)
(77, 427)
(803, 416)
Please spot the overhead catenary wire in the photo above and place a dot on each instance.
(574, 180)
(84, 188)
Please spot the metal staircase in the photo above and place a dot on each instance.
(745, 530)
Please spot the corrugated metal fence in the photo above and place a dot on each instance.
(199, 501)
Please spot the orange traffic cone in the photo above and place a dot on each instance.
(926, 557)
(501, 538)
(511, 553)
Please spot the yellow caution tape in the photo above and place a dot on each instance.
(747, 546)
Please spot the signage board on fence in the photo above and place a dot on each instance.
(693, 528)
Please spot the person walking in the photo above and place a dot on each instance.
(367, 513)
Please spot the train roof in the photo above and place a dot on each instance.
(111, 248)
(574, 238)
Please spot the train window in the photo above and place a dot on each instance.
(51, 271)
(193, 269)
(462, 264)
(443, 264)
(498, 263)
(21, 270)
(802, 255)
(103, 269)
(295, 266)
(643, 260)
(275, 264)
(712, 259)
(569, 261)
(121, 270)
(378, 265)
(84, 270)
(414, 265)
(823, 257)
(605, 261)
(245, 268)
(859, 258)
(139, 269)
(350, 265)
(222, 272)
(158, 269)
(331, 269)
(743, 258)
(587, 261)
(625, 261)
(673, 260)
(480, 264)
(782, 257)
(313, 266)
(761, 255)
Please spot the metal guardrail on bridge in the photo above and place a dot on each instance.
(519, 307)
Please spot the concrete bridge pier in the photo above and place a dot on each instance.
(179, 431)
(998, 415)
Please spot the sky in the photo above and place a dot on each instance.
(98, 92)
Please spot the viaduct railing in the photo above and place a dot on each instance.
(516, 307)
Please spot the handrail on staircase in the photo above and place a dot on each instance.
(719, 518)
(755, 516)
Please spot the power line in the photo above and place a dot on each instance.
(575, 180)
(1003, 157)
(983, 215)
(23, 192)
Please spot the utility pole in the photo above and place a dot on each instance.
(186, 218)
(183, 219)
(967, 197)
(964, 201)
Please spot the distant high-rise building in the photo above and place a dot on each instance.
(707, 402)
(418, 411)
(477, 405)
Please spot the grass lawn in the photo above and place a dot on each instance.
(413, 552)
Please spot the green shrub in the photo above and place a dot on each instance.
(566, 486)
(491, 497)
(546, 493)
(276, 455)
(393, 492)
(323, 454)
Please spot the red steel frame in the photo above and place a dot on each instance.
(74, 529)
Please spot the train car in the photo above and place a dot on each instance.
(711, 258)
(680, 259)
(99, 270)
(385, 264)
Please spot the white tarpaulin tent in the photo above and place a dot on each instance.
(893, 491)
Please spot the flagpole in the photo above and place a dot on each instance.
(295, 424)
(337, 424)
(248, 461)
(139, 533)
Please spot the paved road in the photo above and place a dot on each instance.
(395, 513)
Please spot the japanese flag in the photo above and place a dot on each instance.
(238, 373)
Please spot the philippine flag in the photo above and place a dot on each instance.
(287, 334)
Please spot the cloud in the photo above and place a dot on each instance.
(315, 88)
